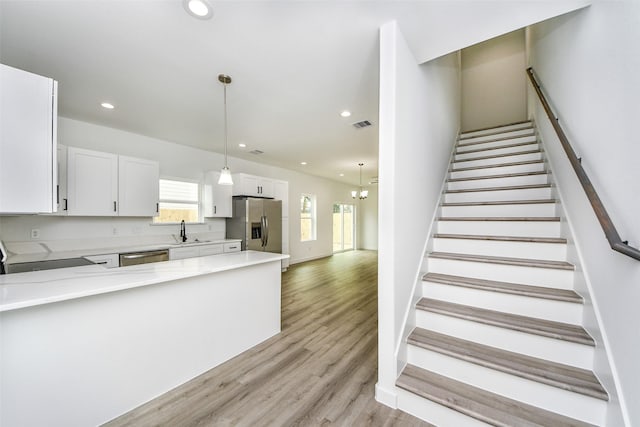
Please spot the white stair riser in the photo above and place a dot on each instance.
(544, 396)
(534, 250)
(566, 352)
(495, 141)
(535, 276)
(511, 210)
(496, 160)
(502, 130)
(460, 155)
(559, 311)
(498, 182)
(501, 228)
(531, 167)
(499, 195)
(434, 413)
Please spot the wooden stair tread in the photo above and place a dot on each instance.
(532, 325)
(523, 262)
(504, 175)
(501, 218)
(543, 292)
(501, 202)
(498, 156)
(501, 238)
(523, 122)
(555, 374)
(495, 137)
(495, 165)
(503, 188)
(516, 144)
(477, 403)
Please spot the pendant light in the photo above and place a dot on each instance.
(225, 173)
(363, 193)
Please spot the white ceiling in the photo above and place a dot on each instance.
(295, 65)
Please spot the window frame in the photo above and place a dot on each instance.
(199, 202)
(312, 217)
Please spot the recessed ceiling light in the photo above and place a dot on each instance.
(303, 163)
(341, 174)
(241, 145)
(345, 113)
(200, 9)
(107, 105)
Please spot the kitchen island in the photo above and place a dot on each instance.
(82, 345)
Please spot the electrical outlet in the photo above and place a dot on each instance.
(35, 233)
(115, 231)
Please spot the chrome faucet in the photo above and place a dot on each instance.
(183, 231)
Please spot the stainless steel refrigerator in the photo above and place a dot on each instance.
(258, 222)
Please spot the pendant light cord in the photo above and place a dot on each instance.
(225, 125)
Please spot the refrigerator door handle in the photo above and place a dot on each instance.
(263, 230)
(266, 231)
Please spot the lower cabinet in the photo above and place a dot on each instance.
(203, 250)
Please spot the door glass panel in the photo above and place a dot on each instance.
(343, 227)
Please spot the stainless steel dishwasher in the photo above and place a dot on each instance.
(144, 257)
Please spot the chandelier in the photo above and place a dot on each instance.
(362, 194)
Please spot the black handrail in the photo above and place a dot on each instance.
(609, 229)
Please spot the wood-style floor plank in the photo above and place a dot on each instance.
(319, 371)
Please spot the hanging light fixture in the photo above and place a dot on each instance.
(362, 194)
(225, 173)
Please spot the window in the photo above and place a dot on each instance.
(307, 217)
(179, 200)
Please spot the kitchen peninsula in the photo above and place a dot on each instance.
(82, 345)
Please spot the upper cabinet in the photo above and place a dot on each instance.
(250, 185)
(28, 116)
(138, 186)
(92, 182)
(105, 184)
(217, 198)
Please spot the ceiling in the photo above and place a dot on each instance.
(295, 64)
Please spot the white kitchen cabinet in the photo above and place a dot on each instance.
(138, 187)
(232, 247)
(217, 198)
(60, 179)
(183, 253)
(211, 249)
(251, 185)
(285, 242)
(28, 118)
(105, 184)
(92, 182)
(281, 192)
(203, 250)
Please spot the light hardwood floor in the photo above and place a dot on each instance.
(320, 370)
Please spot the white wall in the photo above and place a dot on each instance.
(588, 63)
(186, 162)
(419, 121)
(368, 220)
(494, 85)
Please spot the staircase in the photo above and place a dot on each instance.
(498, 337)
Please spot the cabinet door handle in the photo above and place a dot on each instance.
(58, 194)
(157, 207)
(66, 204)
(115, 209)
(215, 210)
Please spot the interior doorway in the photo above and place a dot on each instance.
(343, 227)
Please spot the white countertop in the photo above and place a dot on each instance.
(33, 288)
(46, 256)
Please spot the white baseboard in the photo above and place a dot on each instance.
(386, 397)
